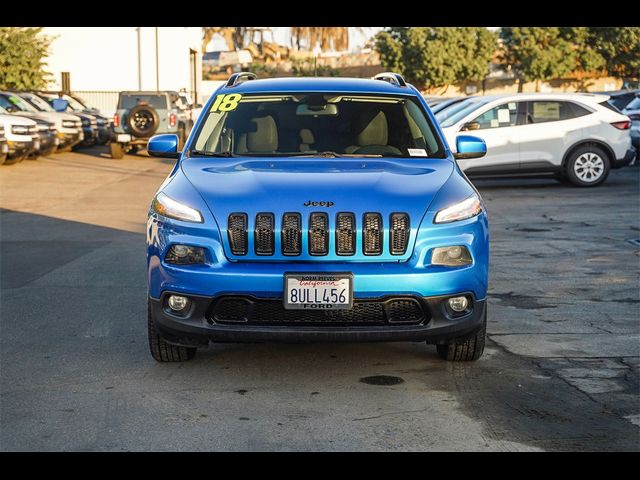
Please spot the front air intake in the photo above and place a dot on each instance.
(399, 233)
(291, 234)
(263, 237)
(318, 233)
(372, 234)
(237, 230)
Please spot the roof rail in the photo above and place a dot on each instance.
(235, 79)
(391, 77)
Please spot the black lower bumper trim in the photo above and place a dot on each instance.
(196, 328)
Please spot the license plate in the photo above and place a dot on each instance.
(123, 138)
(318, 291)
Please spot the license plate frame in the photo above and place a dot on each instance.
(318, 276)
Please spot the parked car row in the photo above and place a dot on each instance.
(575, 137)
(33, 128)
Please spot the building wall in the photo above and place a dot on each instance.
(106, 58)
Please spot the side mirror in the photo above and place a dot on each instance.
(470, 126)
(164, 145)
(470, 147)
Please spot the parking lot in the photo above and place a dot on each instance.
(561, 369)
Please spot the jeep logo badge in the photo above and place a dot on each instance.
(309, 203)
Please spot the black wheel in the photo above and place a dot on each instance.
(466, 349)
(143, 120)
(587, 166)
(116, 150)
(162, 351)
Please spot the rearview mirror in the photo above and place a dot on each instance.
(308, 109)
(164, 145)
(470, 126)
(470, 147)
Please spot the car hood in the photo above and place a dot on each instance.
(16, 120)
(277, 185)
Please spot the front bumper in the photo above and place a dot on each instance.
(17, 149)
(199, 327)
(70, 139)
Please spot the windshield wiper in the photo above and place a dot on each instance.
(330, 154)
(210, 154)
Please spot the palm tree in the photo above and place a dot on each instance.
(336, 38)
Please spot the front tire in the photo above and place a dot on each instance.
(162, 351)
(468, 348)
(587, 166)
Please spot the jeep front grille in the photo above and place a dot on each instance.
(399, 233)
(320, 228)
(372, 234)
(263, 234)
(238, 233)
(291, 234)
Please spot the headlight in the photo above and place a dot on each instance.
(19, 129)
(168, 207)
(453, 256)
(85, 122)
(68, 123)
(465, 209)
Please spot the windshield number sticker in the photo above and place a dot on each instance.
(226, 103)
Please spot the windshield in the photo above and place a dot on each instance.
(74, 104)
(11, 102)
(634, 104)
(39, 103)
(453, 114)
(317, 124)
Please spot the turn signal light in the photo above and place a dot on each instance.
(172, 119)
(116, 120)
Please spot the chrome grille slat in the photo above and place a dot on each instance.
(263, 238)
(372, 234)
(237, 230)
(318, 233)
(345, 233)
(291, 234)
(399, 233)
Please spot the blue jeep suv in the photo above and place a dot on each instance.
(316, 209)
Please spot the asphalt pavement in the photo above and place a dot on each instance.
(560, 372)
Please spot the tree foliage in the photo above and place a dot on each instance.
(437, 56)
(620, 49)
(545, 53)
(22, 58)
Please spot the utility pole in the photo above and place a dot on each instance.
(157, 64)
(139, 61)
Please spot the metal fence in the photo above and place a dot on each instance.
(105, 101)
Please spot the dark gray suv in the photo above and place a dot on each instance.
(140, 115)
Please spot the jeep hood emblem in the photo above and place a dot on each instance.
(309, 203)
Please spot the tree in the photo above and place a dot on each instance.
(538, 53)
(437, 56)
(620, 49)
(336, 38)
(22, 58)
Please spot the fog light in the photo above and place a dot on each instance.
(184, 255)
(453, 256)
(178, 303)
(458, 304)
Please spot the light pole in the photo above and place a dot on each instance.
(157, 64)
(139, 61)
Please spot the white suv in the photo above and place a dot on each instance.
(22, 137)
(577, 137)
